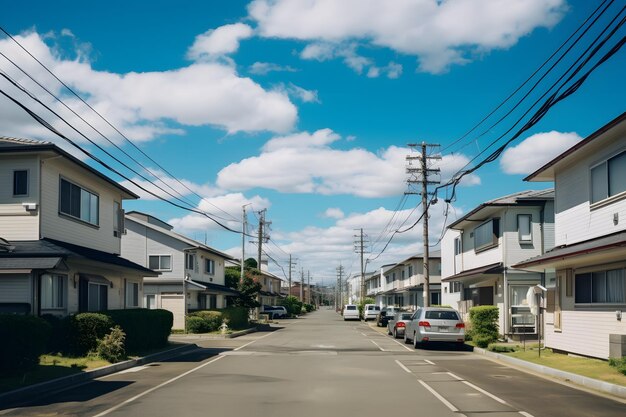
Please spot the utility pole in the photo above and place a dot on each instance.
(308, 284)
(243, 241)
(301, 284)
(263, 235)
(292, 265)
(339, 302)
(420, 175)
(360, 249)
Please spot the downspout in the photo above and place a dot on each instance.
(505, 290)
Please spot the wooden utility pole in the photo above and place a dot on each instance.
(420, 175)
(359, 248)
(243, 242)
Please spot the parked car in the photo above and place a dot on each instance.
(351, 312)
(397, 324)
(385, 314)
(434, 324)
(370, 311)
(274, 312)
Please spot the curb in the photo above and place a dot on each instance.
(185, 337)
(590, 383)
(22, 394)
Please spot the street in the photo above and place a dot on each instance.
(318, 365)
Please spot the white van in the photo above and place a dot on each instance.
(351, 312)
(370, 311)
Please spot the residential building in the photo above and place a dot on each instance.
(192, 273)
(270, 293)
(373, 286)
(480, 248)
(61, 223)
(587, 268)
(402, 284)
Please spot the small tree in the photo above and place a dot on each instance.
(111, 346)
(249, 290)
(484, 321)
(232, 275)
(292, 304)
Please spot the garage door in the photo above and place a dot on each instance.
(174, 303)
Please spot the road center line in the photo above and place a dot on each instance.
(402, 366)
(439, 396)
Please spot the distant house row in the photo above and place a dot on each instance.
(570, 240)
(67, 246)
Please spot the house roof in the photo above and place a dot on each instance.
(192, 243)
(546, 172)
(49, 249)
(528, 197)
(28, 264)
(579, 253)
(495, 268)
(11, 145)
(222, 289)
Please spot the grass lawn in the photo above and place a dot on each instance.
(592, 368)
(50, 367)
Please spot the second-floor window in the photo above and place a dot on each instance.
(410, 270)
(524, 228)
(458, 248)
(607, 178)
(486, 235)
(190, 261)
(78, 202)
(20, 182)
(209, 266)
(160, 262)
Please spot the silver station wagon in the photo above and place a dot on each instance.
(434, 324)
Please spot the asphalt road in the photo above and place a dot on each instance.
(321, 365)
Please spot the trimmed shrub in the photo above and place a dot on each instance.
(145, 329)
(213, 319)
(309, 307)
(484, 323)
(619, 364)
(23, 338)
(235, 317)
(292, 304)
(111, 346)
(196, 324)
(84, 331)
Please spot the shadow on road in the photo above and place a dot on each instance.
(442, 346)
(197, 355)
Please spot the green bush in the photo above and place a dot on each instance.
(111, 346)
(235, 317)
(309, 307)
(619, 364)
(60, 337)
(23, 339)
(493, 347)
(484, 324)
(84, 331)
(213, 319)
(292, 304)
(145, 329)
(196, 324)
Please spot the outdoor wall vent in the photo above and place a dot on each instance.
(30, 206)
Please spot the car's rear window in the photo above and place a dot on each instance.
(373, 307)
(406, 316)
(350, 307)
(442, 315)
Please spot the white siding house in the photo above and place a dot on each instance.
(192, 274)
(587, 292)
(60, 230)
(480, 248)
(404, 282)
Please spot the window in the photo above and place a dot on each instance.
(601, 287)
(455, 286)
(132, 294)
(78, 203)
(118, 219)
(97, 297)
(524, 228)
(403, 275)
(209, 266)
(20, 182)
(410, 270)
(190, 261)
(150, 301)
(486, 235)
(607, 178)
(435, 298)
(160, 262)
(53, 290)
(457, 246)
(212, 301)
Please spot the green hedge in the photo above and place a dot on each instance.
(484, 322)
(144, 328)
(84, 331)
(236, 317)
(292, 304)
(204, 321)
(22, 340)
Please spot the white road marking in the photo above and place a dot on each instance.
(403, 345)
(402, 366)
(169, 381)
(378, 346)
(458, 378)
(135, 369)
(525, 414)
(439, 396)
(488, 394)
(429, 362)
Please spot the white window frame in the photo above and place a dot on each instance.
(90, 287)
(190, 261)
(458, 245)
(608, 195)
(529, 237)
(57, 299)
(209, 266)
(160, 257)
(15, 171)
(83, 192)
(146, 303)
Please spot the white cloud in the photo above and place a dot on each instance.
(263, 68)
(306, 163)
(307, 96)
(439, 33)
(221, 41)
(334, 213)
(142, 105)
(160, 185)
(536, 150)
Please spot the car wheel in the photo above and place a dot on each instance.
(416, 344)
(406, 339)
(395, 334)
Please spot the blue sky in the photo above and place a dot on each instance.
(305, 107)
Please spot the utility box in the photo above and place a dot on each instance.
(617, 345)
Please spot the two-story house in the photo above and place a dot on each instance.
(373, 286)
(404, 282)
(192, 274)
(587, 290)
(270, 293)
(480, 248)
(61, 223)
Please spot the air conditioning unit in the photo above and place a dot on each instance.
(30, 206)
